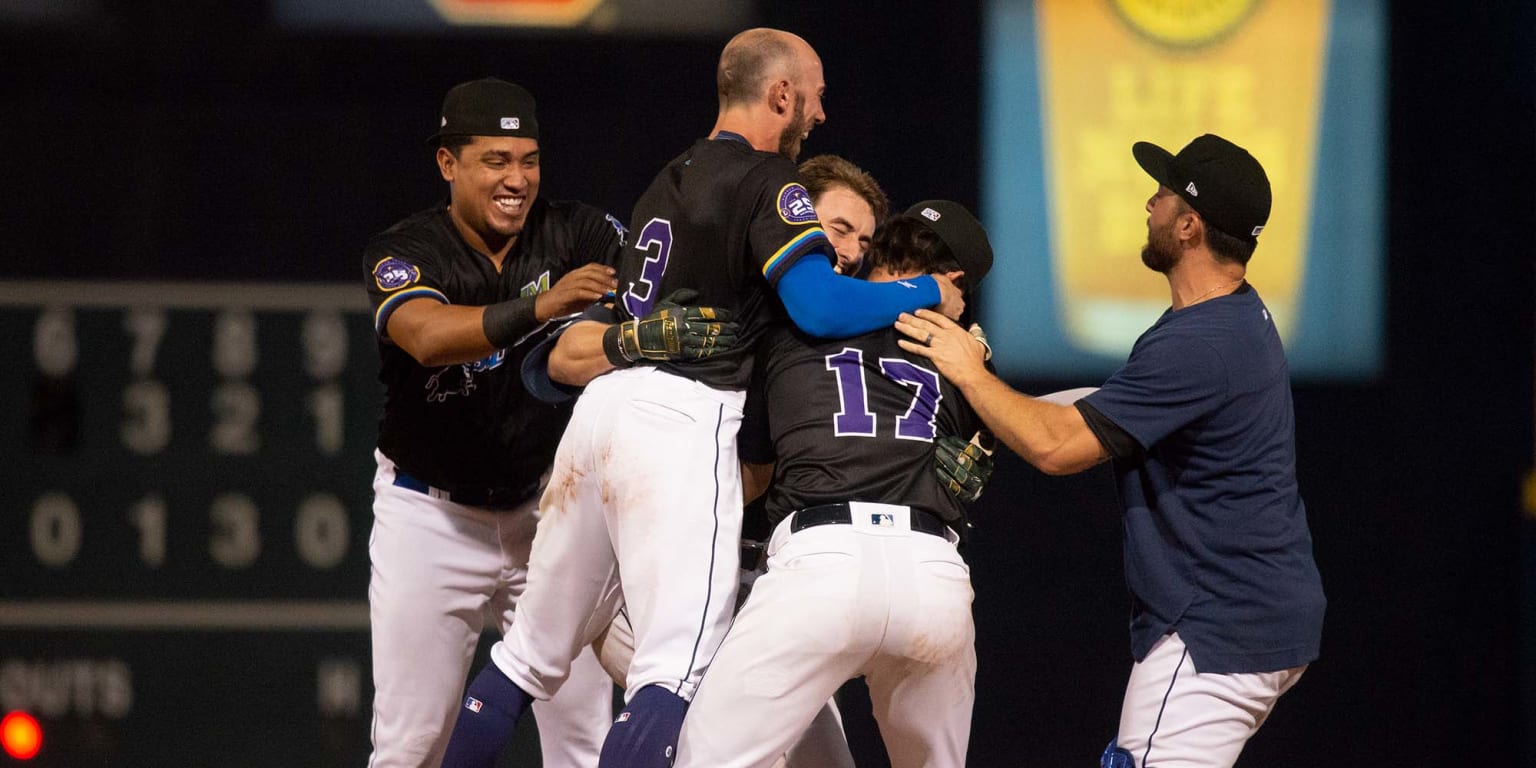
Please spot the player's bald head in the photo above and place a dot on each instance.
(754, 58)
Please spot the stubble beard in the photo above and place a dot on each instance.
(789, 139)
(1161, 253)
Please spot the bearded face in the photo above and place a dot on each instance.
(1161, 253)
(795, 132)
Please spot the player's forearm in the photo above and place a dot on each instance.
(440, 334)
(1054, 438)
(825, 304)
(578, 356)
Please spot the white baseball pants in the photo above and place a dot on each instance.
(440, 571)
(839, 601)
(1175, 716)
(822, 745)
(644, 497)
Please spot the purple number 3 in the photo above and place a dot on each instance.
(856, 419)
(657, 232)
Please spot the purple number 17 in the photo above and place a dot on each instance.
(856, 419)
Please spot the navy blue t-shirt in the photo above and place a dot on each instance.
(1216, 540)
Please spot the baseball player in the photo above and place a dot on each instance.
(847, 200)
(460, 292)
(646, 489)
(849, 203)
(863, 573)
(1227, 607)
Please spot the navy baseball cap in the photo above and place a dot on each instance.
(960, 232)
(487, 107)
(1219, 179)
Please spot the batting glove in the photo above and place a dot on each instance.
(963, 467)
(671, 332)
(981, 336)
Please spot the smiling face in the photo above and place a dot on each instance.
(849, 223)
(809, 87)
(494, 181)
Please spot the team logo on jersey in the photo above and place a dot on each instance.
(449, 381)
(795, 205)
(493, 360)
(392, 274)
(618, 227)
(535, 287)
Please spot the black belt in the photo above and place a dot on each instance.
(488, 497)
(841, 514)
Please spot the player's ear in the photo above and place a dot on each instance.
(1189, 228)
(447, 164)
(781, 97)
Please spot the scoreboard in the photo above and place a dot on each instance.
(185, 475)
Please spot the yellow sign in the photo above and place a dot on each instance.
(1114, 72)
(527, 13)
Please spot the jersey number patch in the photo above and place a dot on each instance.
(640, 297)
(855, 419)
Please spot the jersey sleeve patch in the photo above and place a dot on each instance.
(795, 205)
(393, 273)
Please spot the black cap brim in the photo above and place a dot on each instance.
(1154, 160)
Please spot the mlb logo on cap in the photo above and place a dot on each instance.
(930, 214)
(511, 123)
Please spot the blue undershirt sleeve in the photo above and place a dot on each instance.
(826, 304)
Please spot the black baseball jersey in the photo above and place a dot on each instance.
(725, 220)
(850, 420)
(473, 425)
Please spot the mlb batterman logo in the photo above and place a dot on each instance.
(795, 205)
(930, 214)
(392, 274)
(473, 704)
(511, 123)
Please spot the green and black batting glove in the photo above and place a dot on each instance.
(671, 332)
(963, 466)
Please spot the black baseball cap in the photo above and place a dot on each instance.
(1219, 179)
(961, 233)
(487, 107)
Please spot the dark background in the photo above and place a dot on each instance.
(183, 140)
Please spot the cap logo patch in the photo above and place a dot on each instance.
(1191, 190)
(795, 205)
(930, 214)
(392, 274)
(511, 123)
(1257, 230)
(444, 122)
